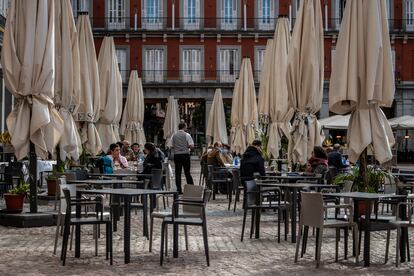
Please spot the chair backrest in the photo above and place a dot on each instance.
(81, 174)
(390, 186)
(68, 207)
(70, 175)
(193, 192)
(156, 179)
(312, 211)
(251, 197)
(61, 182)
(236, 179)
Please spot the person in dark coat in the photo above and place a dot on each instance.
(252, 161)
(335, 158)
(154, 158)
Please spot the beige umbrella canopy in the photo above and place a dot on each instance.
(403, 122)
(28, 70)
(305, 80)
(172, 119)
(110, 86)
(244, 109)
(216, 125)
(273, 87)
(67, 78)
(117, 121)
(133, 117)
(89, 104)
(362, 78)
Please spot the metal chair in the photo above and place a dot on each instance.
(312, 215)
(399, 224)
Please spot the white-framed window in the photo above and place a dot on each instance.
(393, 59)
(121, 56)
(338, 8)
(228, 14)
(409, 15)
(390, 14)
(116, 14)
(4, 6)
(229, 64)
(154, 64)
(191, 62)
(81, 6)
(258, 60)
(333, 53)
(152, 14)
(191, 11)
(266, 14)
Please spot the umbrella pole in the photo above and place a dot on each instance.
(363, 159)
(33, 178)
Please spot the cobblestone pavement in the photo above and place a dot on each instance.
(30, 252)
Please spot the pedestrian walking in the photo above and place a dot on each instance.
(182, 143)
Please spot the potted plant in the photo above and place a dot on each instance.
(375, 179)
(58, 170)
(15, 197)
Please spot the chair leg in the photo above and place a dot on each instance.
(230, 194)
(111, 250)
(337, 235)
(279, 217)
(397, 248)
(387, 245)
(286, 223)
(298, 240)
(316, 243)
(95, 230)
(304, 240)
(318, 254)
(151, 232)
(65, 243)
(346, 234)
(186, 237)
(252, 224)
(57, 232)
(205, 238)
(244, 223)
(356, 242)
(166, 239)
(72, 230)
(162, 243)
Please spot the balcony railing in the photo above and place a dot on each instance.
(131, 24)
(187, 76)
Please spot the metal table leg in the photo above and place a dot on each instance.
(127, 228)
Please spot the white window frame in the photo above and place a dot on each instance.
(228, 15)
(154, 20)
(259, 54)
(81, 6)
(191, 63)
(117, 14)
(338, 8)
(4, 6)
(122, 59)
(409, 15)
(154, 58)
(390, 14)
(333, 53)
(191, 21)
(225, 72)
(266, 22)
(393, 56)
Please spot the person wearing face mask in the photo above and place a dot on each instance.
(214, 157)
(227, 156)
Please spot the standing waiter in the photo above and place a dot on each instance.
(182, 143)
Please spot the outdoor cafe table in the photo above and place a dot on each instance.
(292, 178)
(295, 188)
(369, 198)
(127, 195)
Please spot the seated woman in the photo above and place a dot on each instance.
(214, 157)
(318, 163)
(227, 156)
(154, 158)
(118, 161)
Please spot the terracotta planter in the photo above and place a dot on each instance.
(14, 202)
(361, 208)
(51, 187)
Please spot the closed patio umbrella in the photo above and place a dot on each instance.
(335, 122)
(245, 115)
(110, 84)
(116, 124)
(67, 78)
(89, 104)
(28, 69)
(305, 80)
(403, 122)
(362, 78)
(172, 119)
(133, 117)
(273, 87)
(216, 125)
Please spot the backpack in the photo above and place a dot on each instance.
(105, 165)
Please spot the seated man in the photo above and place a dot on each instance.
(136, 154)
(252, 161)
(335, 158)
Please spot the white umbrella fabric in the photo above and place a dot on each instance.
(216, 125)
(28, 69)
(237, 134)
(362, 78)
(305, 80)
(403, 122)
(67, 78)
(89, 104)
(133, 117)
(273, 87)
(172, 119)
(335, 122)
(110, 86)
